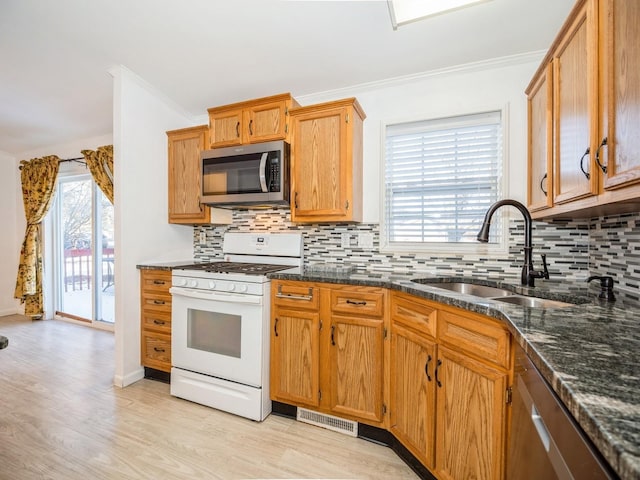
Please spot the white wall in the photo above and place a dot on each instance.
(142, 234)
(9, 243)
(498, 84)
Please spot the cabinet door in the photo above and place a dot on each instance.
(621, 92)
(295, 356)
(225, 128)
(185, 177)
(471, 418)
(321, 171)
(412, 408)
(356, 362)
(575, 109)
(540, 112)
(265, 122)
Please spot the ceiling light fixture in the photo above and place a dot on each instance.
(407, 11)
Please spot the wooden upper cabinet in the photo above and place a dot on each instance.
(575, 107)
(260, 120)
(540, 139)
(185, 146)
(326, 162)
(620, 93)
(596, 114)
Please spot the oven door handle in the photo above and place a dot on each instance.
(217, 296)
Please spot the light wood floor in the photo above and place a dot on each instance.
(61, 417)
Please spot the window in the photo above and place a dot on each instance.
(440, 178)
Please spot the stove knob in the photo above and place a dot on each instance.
(212, 285)
(193, 283)
(242, 288)
(179, 282)
(231, 287)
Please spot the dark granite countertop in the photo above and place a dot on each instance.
(165, 265)
(587, 352)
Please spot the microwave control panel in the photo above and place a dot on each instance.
(274, 174)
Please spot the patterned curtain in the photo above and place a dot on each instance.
(38, 188)
(100, 165)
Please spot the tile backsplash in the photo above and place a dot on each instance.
(575, 249)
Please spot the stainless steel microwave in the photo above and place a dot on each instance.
(247, 175)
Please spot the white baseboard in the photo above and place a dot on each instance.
(10, 311)
(126, 380)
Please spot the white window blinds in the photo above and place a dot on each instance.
(441, 176)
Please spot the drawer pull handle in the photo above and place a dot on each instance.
(159, 302)
(333, 329)
(275, 327)
(542, 184)
(426, 368)
(159, 322)
(158, 349)
(356, 302)
(438, 363)
(308, 297)
(238, 129)
(159, 282)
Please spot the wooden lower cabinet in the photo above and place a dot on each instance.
(295, 340)
(356, 363)
(413, 396)
(450, 371)
(443, 372)
(329, 362)
(155, 319)
(470, 417)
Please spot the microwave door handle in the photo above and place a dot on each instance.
(263, 172)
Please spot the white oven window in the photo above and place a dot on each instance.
(214, 332)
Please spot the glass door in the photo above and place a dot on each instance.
(83, 226)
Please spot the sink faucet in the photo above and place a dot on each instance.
(528, 274)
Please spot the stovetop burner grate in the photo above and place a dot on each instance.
(237, 267)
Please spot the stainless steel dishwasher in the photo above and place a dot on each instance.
(545, 442)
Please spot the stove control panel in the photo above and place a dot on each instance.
(219, 285)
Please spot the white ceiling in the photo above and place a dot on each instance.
(55, 55)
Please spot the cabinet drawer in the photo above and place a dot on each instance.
(158, 281)
(152, 302)
(156, 321)
(156, 351)
(478, 336)
(296, 295)
(366, 301)
(414, 313)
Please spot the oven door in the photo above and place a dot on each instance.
(218, 334)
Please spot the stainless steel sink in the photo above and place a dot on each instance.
(470, 289)
(533, 302)
(494, 293)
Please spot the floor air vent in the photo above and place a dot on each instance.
(327, 421)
